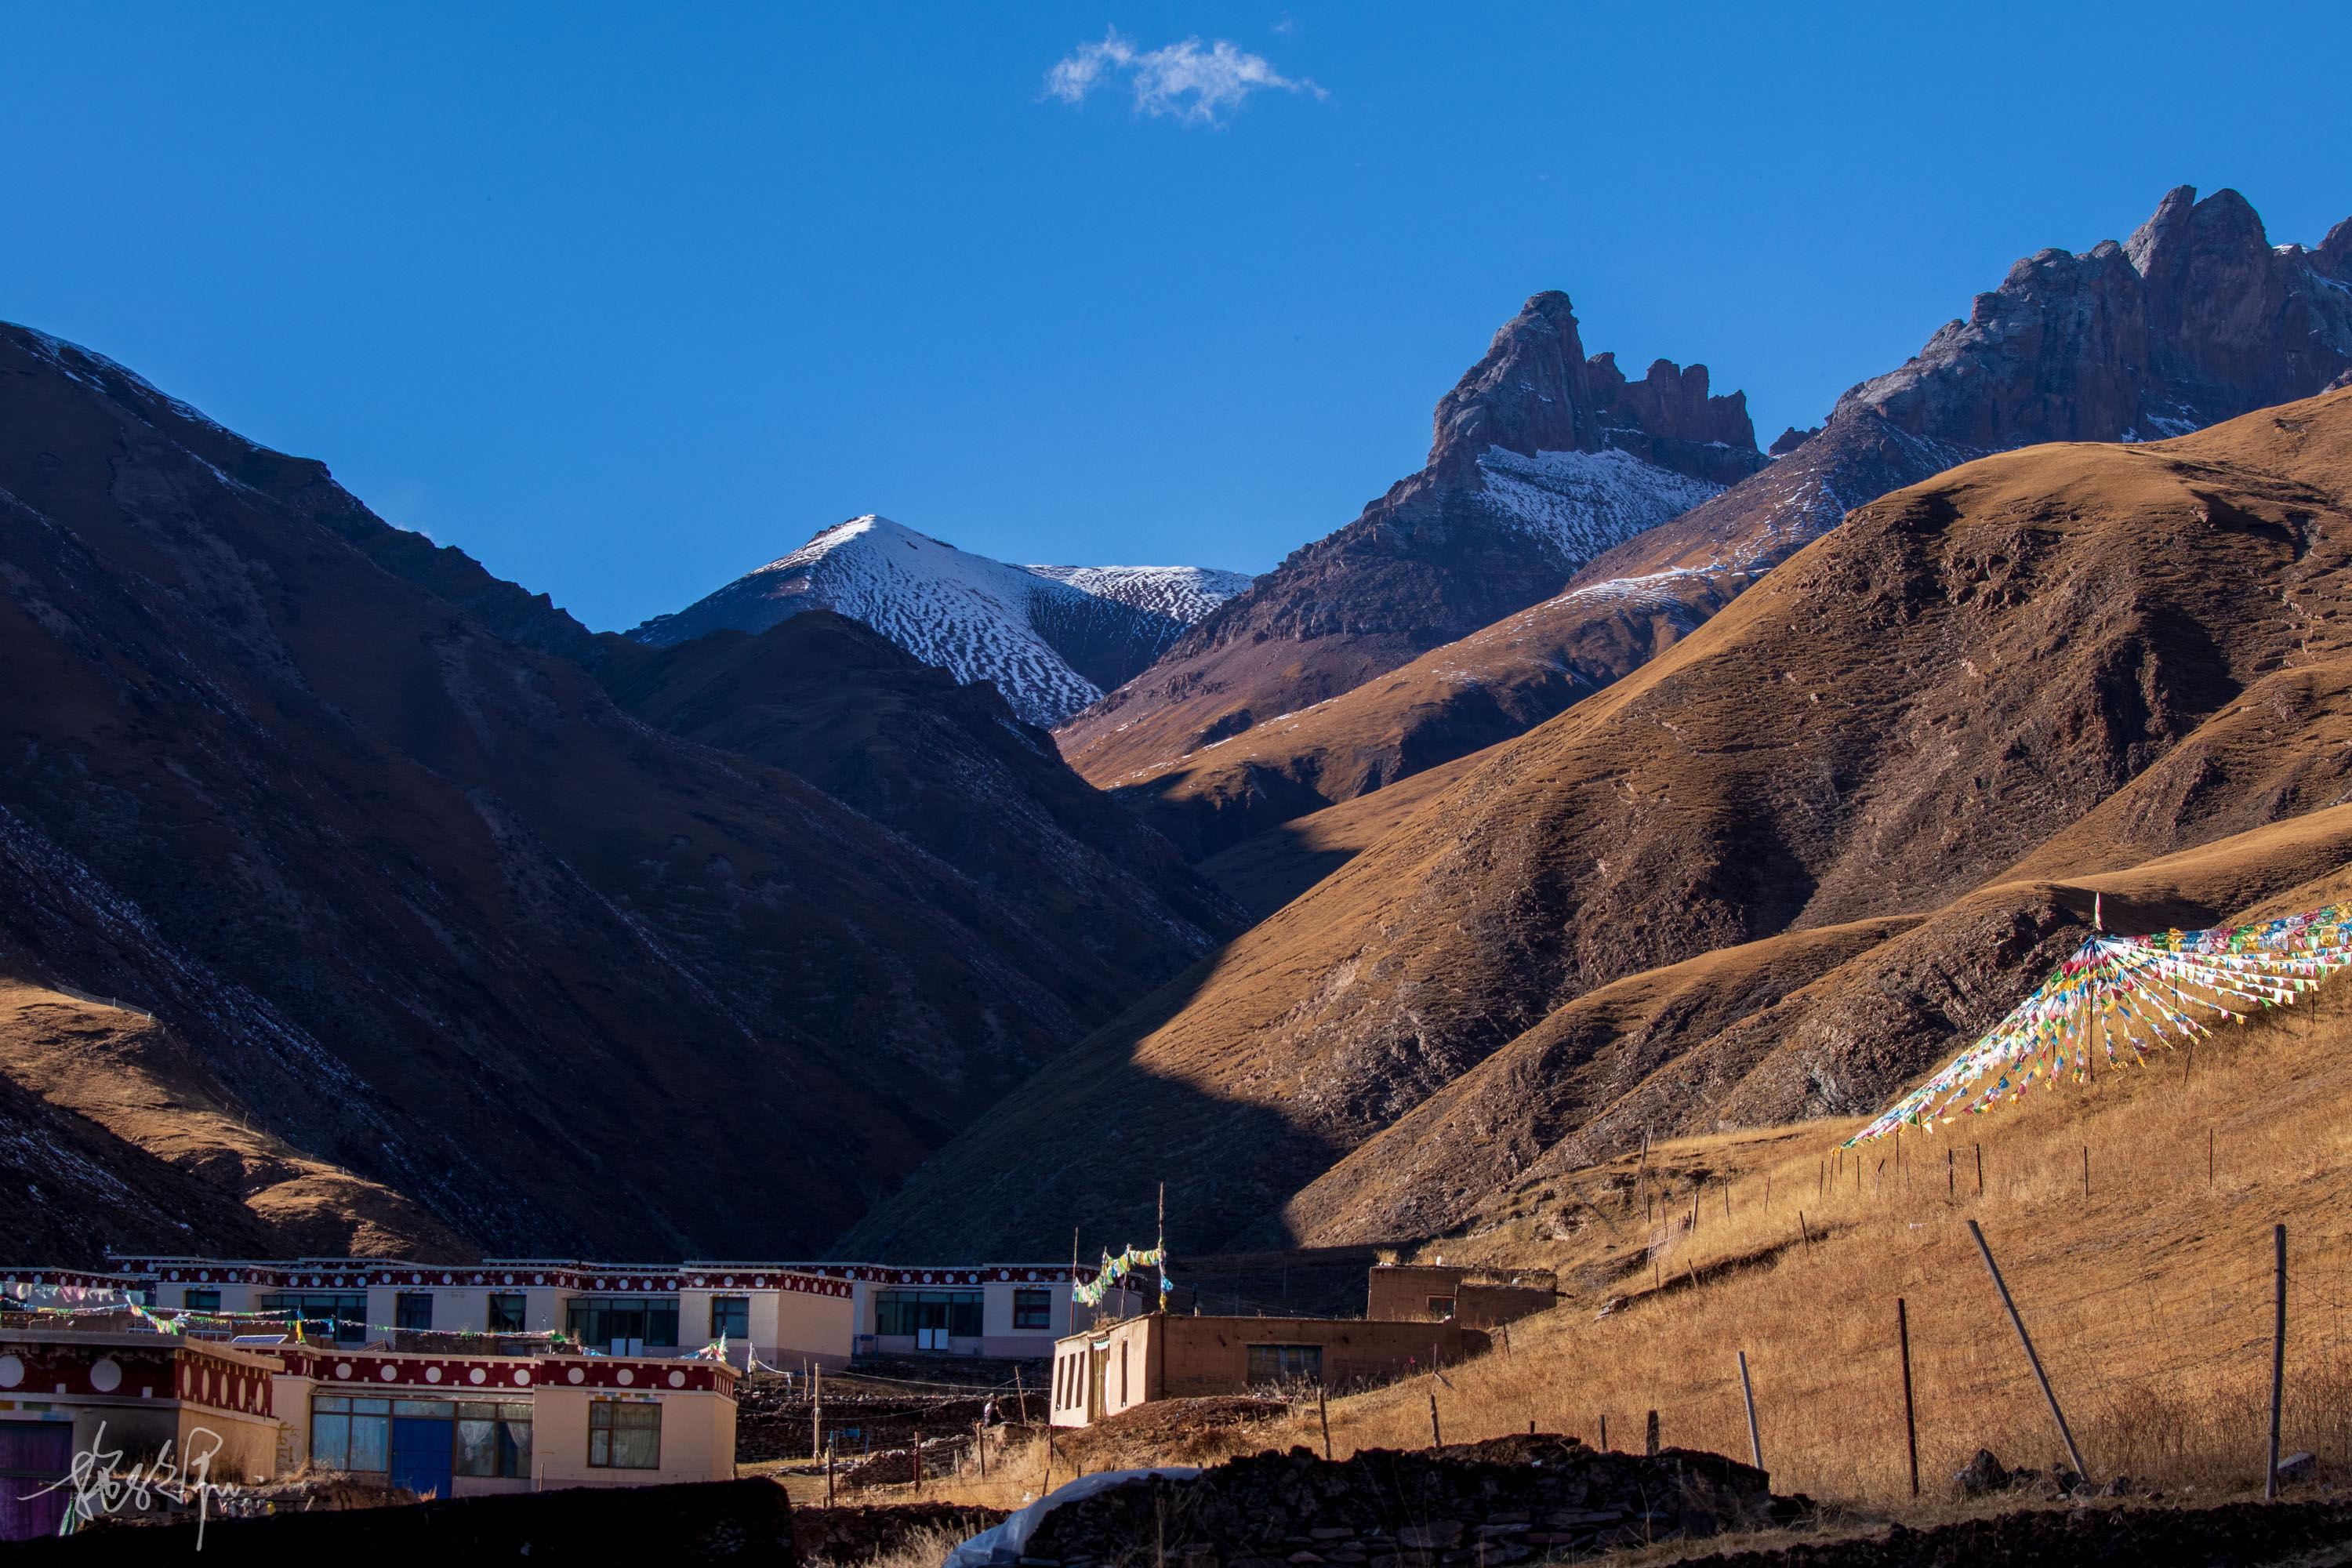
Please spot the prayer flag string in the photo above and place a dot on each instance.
(2116, 986)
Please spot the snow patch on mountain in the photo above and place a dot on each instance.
(1586, 502)
(1050, 639)
(1184, 594)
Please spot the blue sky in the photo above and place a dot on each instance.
(625, 300)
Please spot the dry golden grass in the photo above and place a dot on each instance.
(2150, 1301)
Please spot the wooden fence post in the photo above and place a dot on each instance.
(1323, 1410)
(1436, 1434)
(1604, 1431)
(817, 1411)
(1910, 1416)
(2026, 1340)
(2278, 1358)
(1651, 1437)
(1747, 1392)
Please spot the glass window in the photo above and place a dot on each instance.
(478, 1448)
(371, 1443)
(413, 1309)
(1283, 1364)
(514, 1442)
(506, 1314)
(204, 1300)
(1032, 1309)
(330, 1440)
(912, 1312)
(1440, 1306)
(623, 1436)
(601, 1320)
(731, 1316)
(493, 1440)
(337, 1315)
(440, 1409)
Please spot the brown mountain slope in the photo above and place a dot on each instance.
(1662, 1054)
(2196, 319)
(949, 766)
(1911, 706)
(134, 1096)
(1490, 525)
(424, 903)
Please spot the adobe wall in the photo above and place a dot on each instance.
(1210, 1355)
(1400, 1292)
(1177, 1357)
(1491, 1306)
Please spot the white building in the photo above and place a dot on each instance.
(788, 1315)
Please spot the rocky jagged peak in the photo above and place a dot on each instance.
(2195, 319)
(1535, 391)
(2170, 217)
(1789, 439)
(1530, 393)
(1672, 402)
(2334, 256)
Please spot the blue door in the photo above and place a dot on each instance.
(420, 1455)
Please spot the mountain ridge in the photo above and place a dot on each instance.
(1050, 638)
(2197, 305)
(1540, 459)
(1934, 703)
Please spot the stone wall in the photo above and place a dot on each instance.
(1475, 1505)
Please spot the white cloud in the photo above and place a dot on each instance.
(1194, 84)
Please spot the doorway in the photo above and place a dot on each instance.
(420, 1455)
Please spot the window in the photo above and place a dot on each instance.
(624, 1434)
(204, 1300)
(342, 1317)
(1032, 1309)
(1286, 1364)
(1440, 1307)
(505, 1314)
(493, 1440)
(730, 1317)
(350, 1434)
(413, 1309)
(914, 1311)
(602, 1319)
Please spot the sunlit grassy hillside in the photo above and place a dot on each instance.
(2149, 1297)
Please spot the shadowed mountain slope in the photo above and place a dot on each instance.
(117, 1135)
(947, 765)
(426, 905)
(1541, 460)
(2138, 645)
(2197, 319)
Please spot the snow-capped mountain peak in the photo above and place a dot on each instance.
(1052, 639)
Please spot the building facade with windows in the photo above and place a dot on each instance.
(476, 1425)
(441, 1425)
(784, 1315)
